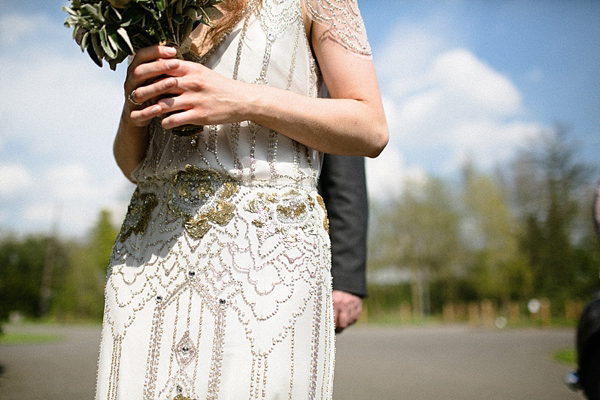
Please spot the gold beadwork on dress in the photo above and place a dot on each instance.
(275, 212)
(138, 214)
(326, 218)
(181, 397)
(200, 197)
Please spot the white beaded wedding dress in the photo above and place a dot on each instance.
(219, 283)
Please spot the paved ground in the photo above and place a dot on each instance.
(373, 363)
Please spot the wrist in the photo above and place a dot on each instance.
(255, 105)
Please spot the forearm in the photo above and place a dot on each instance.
(130, 145)
(334, 126)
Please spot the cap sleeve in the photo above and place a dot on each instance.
(344, 22)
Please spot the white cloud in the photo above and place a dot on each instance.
(444, 106)
(465, 79)
(387, 174)
(41, 213)
(71, 196)
(71, 182)
(61, 104)
(14, 179)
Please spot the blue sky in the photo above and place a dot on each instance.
(461, 80)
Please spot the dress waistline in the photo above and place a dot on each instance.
(203, 198)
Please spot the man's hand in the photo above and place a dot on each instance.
(346, 308)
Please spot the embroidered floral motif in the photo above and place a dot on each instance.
(138, 214)
(276, 212)
(200, 197)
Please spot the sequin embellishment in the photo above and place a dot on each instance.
(326, 218)
(274, 212)
(138, 214)
(199, 196)
(181, 397)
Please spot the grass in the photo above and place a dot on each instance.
(566, 356)
(28, 338)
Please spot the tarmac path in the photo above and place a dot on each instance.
(373, 363)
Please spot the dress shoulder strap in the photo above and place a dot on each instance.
(344, 22)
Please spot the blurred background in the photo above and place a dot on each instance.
(481, 203)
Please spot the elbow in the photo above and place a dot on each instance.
(379, 140)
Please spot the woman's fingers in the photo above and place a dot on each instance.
(156, 89)
(178, 118)
(142, 67)
(144, 116)
(151, 53)
(151, 70)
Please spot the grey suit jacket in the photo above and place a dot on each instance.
(343, 188)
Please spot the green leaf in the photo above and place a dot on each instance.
(212, 13)
(85, 41)
(113, 63)
(161, 5)
(187, 29)
(105, 43)
(193, 14)
(93, 55)
(75, 32)
(70, 11)
(97, 47)
(93, 11)
(123, 34)
(132, 16)
(113, 39)
(116, 12)
(178, 19)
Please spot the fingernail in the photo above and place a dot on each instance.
(169, 83)
(172, 64)
(171, 51)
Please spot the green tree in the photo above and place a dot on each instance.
(549, 187)
(419, 230)
(82, 294)
(21, 266)
(500, 269)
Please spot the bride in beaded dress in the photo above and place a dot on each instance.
(219, 283)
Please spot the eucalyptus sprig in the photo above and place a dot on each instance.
(111, 30)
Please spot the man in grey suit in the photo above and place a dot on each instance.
(343, 188)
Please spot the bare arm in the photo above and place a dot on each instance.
(351, 123)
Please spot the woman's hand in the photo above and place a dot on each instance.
(186, 93)
(147, 65)
(131, 141)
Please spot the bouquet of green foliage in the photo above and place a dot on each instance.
(114, 29)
